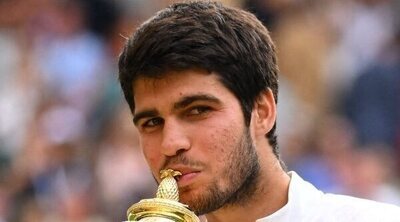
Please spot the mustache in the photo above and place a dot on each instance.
(181, 159)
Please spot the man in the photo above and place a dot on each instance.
(201, 80)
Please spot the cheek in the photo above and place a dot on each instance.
(221, 143)
(151, 154)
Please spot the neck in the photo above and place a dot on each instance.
(270, 195)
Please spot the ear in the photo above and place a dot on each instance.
(264, 113)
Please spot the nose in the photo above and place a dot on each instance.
(174, 139)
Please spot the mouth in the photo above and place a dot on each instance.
(188, 176)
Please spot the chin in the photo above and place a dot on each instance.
(188, 196)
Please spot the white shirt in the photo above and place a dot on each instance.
(308, 204)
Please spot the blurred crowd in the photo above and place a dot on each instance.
(68, 148)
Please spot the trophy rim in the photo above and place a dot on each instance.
(168, 209)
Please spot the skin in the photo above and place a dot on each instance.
(189, 121)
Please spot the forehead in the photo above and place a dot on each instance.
(176, 84)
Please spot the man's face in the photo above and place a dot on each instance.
(188, 121)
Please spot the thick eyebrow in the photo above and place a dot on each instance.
(187, 100)
(182, 103)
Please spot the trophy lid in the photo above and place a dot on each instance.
(165, 206)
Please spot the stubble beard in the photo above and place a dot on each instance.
(241, 173)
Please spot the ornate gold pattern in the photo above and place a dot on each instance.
(168, 188)
(165, 207)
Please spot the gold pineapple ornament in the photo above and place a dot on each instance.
(166, 206)
(168, 188)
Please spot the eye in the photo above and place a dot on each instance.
(153, 122)
(198, 110)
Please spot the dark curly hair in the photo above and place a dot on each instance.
(231, 42)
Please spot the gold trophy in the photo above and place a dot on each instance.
(166, 206)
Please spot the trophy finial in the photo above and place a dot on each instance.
(166, 206)
(168, 188)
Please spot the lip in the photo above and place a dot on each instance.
(188, 175)
(187, 178)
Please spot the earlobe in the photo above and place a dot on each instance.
(264, 112)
